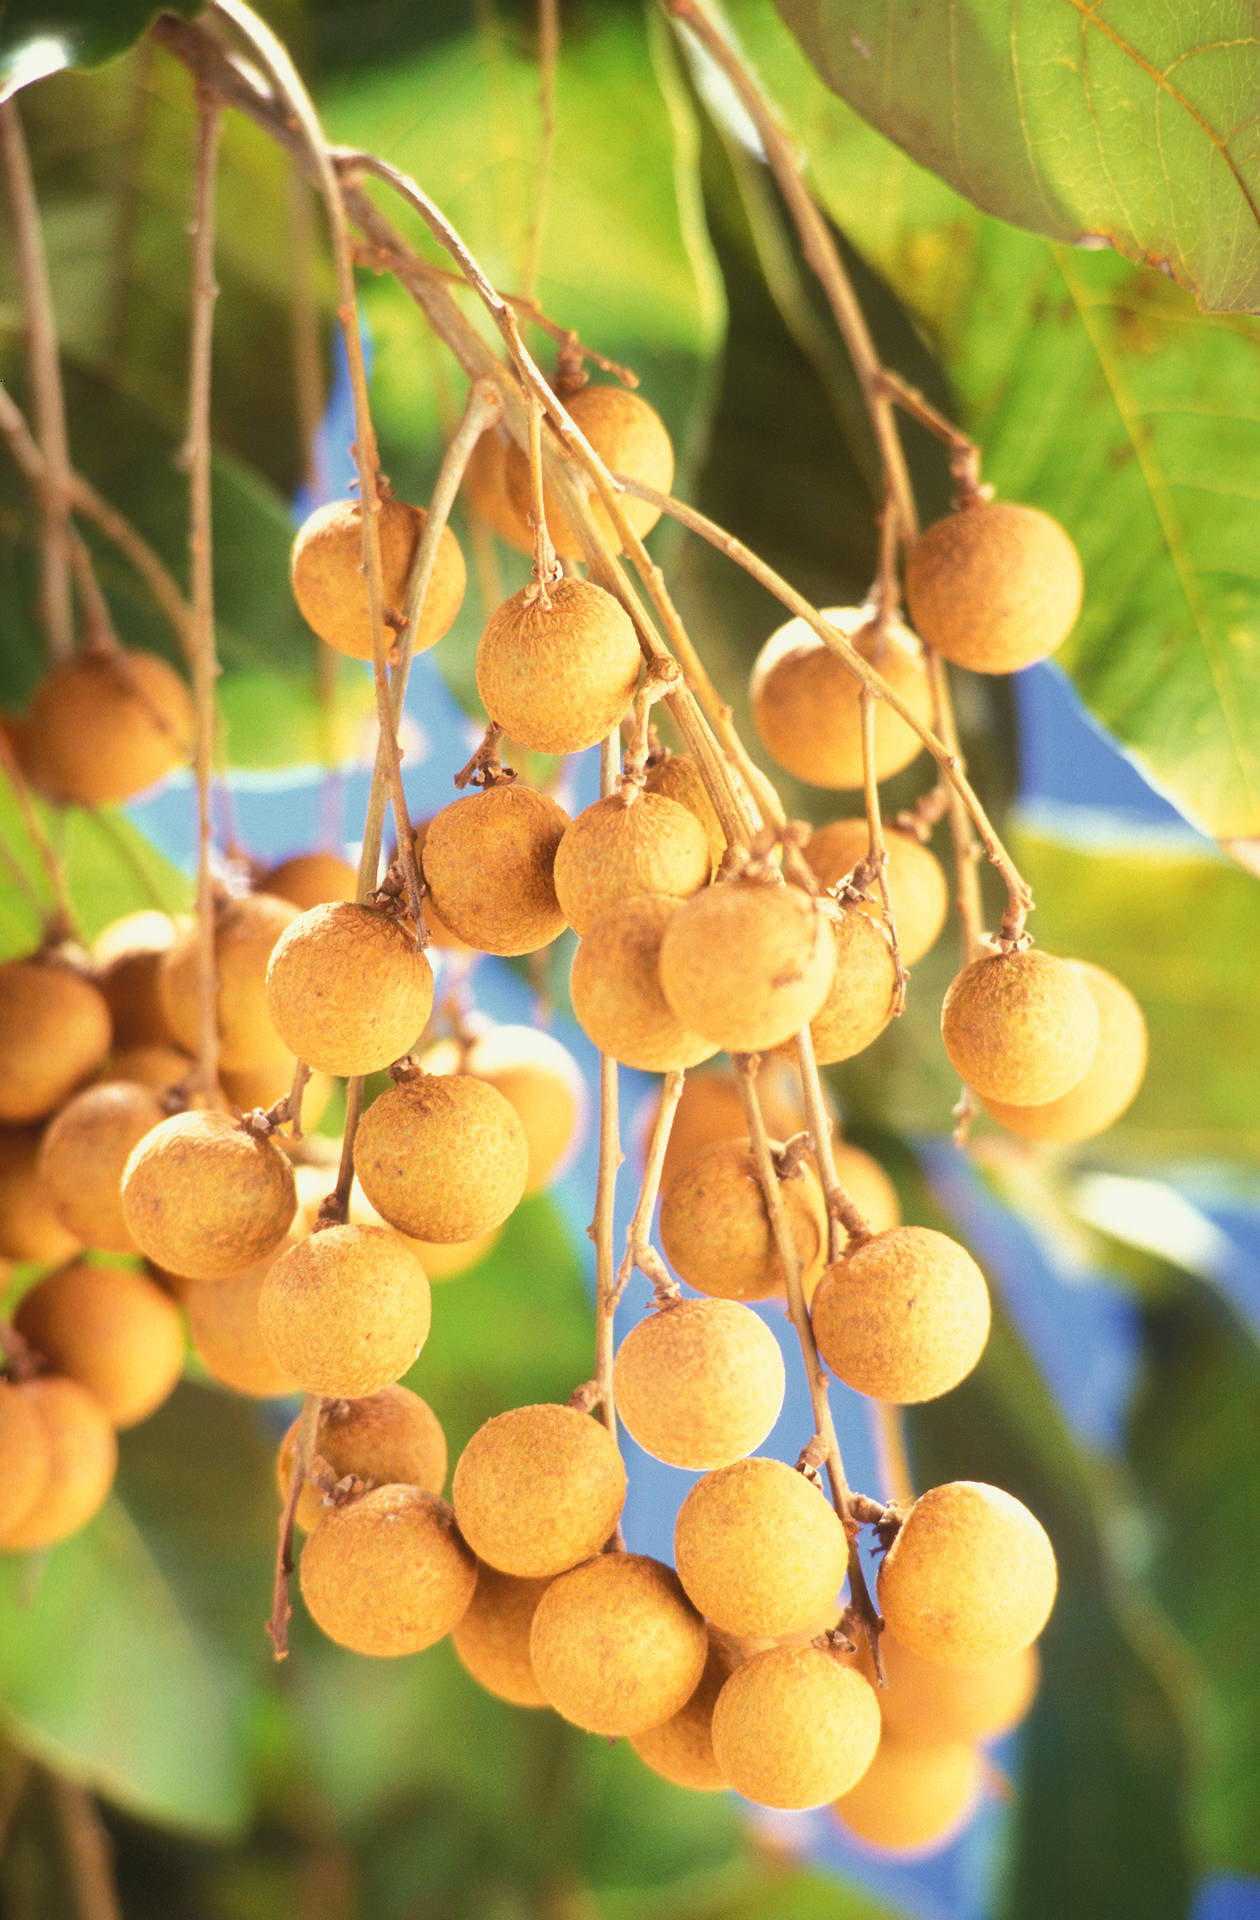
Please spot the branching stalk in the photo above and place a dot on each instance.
(640, 1253)
(610, 1157)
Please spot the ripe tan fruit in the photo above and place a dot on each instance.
(348, 988)
(970, 1577)
(223, 1324)
(158, 1067)
(759, 1549)
(538, 1077)
(439, 933)
(862, 995)
(927, 1702)
(54, 1033)
(558, 676)
(1109, 1082)
(329, 586)
(387, 1573)
(615, 987)
(677, 777)
(485, 492)
(345, 1311)
(903, 1317)
(128, 960)
(83, 1153)
(25, 1457)
(994, 586)
(917, 887)
(866, 1183)
(747, 965)
(440, 1261)
(107, 725)
(699, 1383)
(111, 1329)
(537, 1489)
(716, 1232)
(391, 1438)
(912, 1798)
(616, 1645)
(309, 879)
(710, 1109)
(488, 861)
(30, 1227)
(82, 1461)
(630, 438)
(263, 1085)
(492, 1639)
(681, 1748)
(794, 1727)
(441, 1156)
(1020, 1027)
(245, 931)
(628, 843)
(805, 701)
(206, 1199)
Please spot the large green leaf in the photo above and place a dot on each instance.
(40, 37)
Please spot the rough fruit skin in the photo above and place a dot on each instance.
(30, 1228)
(932, 1704)
(538, 1078)
(348, 989)
(309, 879)
(330, 587)
(83, 1153)
(860, 1001)
(127, 959)
(113, 1330)
(758, 1549)
(616, 1645)
(25, 1457)
(866, 1183)
(537, 1489)
(255, 1087)
(245, 931)
(387, 1573)
(106, 726)
(82, 1461)
(917, 887)
(716, 1232)
(558, 677)
(1109, 1082)
(628, 843)
(994, 586)
(699, 1383)
(678, 777)
(492, 1639)
(441, 1156)
(485, 492)
(794, 1727)
(710, 1110)
(488, 861)
(54, 1032)
(903, 1317)
(615, 986)
(390, 1438)
(912, 1798)
(206, 1199)
(681, 1748)
(440, 1262)
(1020, 1027)
(970, 1577)
(223, 1324)
(345, 1311)
(158, 1067)
(805, 701)
(630, 438)
(747, 965)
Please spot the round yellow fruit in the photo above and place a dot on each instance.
(492, 1639)
(538, 1077)
(903, 1316)
(245, 931)
(862, 995)
(54, 1033)
(615, 986)
(223, 1325)
(206, 1199)
(758, 1549)
(716, 1232)
(616, 1645)
(127, 957)
(441, 1156)
(30, 1226)
(794, 1727)
(805, 700)
(113, 1330)
(557, 674)
(681, 1748)
(912, 1798)
(1020, 1027)
(1108, 1084)
(82, 1461)
(25, 1457)
(927, 1702)
(710, 1109)
(309, 879)
(345, 1311)
(537, 1489)
(678, 777)
(348, 989)
(387, 1573)
(489, 861)
(699, 1383)
(917, 888)
(970, 1577)
(83, 1153)
(388, 1438)
(630, 438)
(105, 726)
(329, 585)
(626, 844)
(747, 965)
(994, 586)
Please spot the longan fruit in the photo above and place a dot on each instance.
(615, 987)
(30, 1226)
(759, 1549)
(926, 1702)
(440, 1261)
(113, 1330)
(25, 1456)
(794, 1727)
(309, 879)
(917, 887)
(558, 670)
(83, 1153)
(630, 438)
(488, 863)
(912, 1798)
(716, 1232)
(206, 1199)
(1109, 1082)
(263, 1085)
(54, 1033)
(628, 843)
(805, 700)
(484, 490)
(348, 989)
(127, 957)
(699, 1383)
(537, 1489)
(387, 1573)
(105, 726)
(747, 964)
(155, 1066)
(710, 1109)
(994, 586)
(903, 1316)
(441, 1156)
(346, 1310)
(439, 933)
(867, 1185)
(538, 1077)
(391, 1438)
(492, 1639)
(681, 1748)
(616, 1645)
(329, 585)
(970, 1577)
(245, 931)
(862, 995)
(223, 1325)
(678, 777)
(82, 1461)
(1020, 1027)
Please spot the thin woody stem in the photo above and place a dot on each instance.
(639, 1251)
(303, 1453)
(877, 852)
(843, 1214)
(546, 571)
(610, 1157)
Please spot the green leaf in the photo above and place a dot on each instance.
(40, 37)
(754, 1889)
(1128, 127)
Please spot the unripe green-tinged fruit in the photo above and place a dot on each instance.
(681, 1748)
(30, 1227)
(345, 1311)
(616, 1645)
(994, 586)
(628, 843)
(113, 1330)
(82, 1461)
(759, 1549)
(716, 1232)
(441, 1156)
(83, 1153)
(488, 862)
(330, 586)
(699, 1383)
(25, 1457)
(127, 957)
(309, 879)
(912, 1798)
(348, 989)
(794, 1727)
(1021, 1027)
(710, 1109)
(970, 1577)
(387, 1573)
(862, 995)
(806, 702)
(54, 1033)
(492, 1639)
(245, 931)
(105, 726)
(678, 777)
(747, 964)
(630, 438)
(932, 1704)
(557, 673)
(391, 1438)
(539, 1079)
(917, 887)
(205, 1198)
(223, 1323)
(537, 1489)
(1109, 1082)
(902, 1316)
(615, 986)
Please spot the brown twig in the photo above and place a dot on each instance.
(610, 1158)
(89, 1857)
(843, 1214)
(640, 1253)
(964, 454)
(303, 1452)
(877, 852)
(546, 566)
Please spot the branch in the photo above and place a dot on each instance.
(610, 1157)
(639, 1251)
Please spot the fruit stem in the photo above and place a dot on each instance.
(877, 852)
(964, 454)
(610, 1158)
(87, 1848)
(303, 1453)
(639, 1251)
(546, 569)
(842, 1209)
